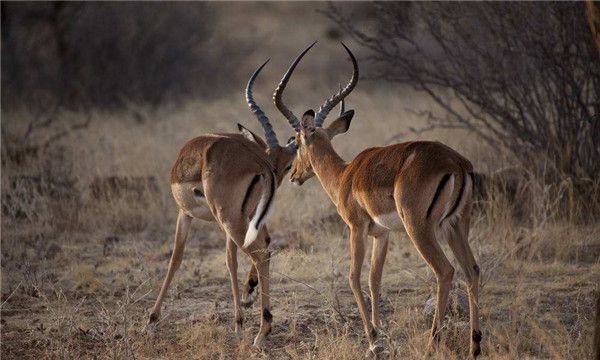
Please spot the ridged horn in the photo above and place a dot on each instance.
(336, 98)
(270, 135)
(342, 103)
(277, 96)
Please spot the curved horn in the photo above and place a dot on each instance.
(336, 98)
(277, 96)
(342, 104)
(270, 135)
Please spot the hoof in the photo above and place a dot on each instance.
(476, 352)
(153, 318)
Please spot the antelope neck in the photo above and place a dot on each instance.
(328, 166)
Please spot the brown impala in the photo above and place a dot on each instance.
(423, 187)
(231, 179)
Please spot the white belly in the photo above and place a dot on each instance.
(390, 221)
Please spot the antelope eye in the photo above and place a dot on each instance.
(287, 168)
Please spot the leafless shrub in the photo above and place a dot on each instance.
(523, 77)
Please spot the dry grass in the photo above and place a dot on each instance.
(79, 273)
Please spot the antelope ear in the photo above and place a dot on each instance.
(341, 124)
(249, 134)
(308, 124)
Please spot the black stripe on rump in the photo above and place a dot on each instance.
(249, 191)
(438, 191)
(268, 204)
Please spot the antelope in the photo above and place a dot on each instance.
(422, 187)
(231, 179)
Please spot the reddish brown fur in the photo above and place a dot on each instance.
(385, 186)
(193, 156)
(210, 180)
(375, 172)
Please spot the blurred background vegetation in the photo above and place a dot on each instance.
(76, 54)
(522, 78)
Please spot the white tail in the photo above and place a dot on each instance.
(263, 209)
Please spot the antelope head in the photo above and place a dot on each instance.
(310, 132)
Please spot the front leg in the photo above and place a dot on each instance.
(232, 266)
(378, 253)
(357, 247)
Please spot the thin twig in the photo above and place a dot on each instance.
(12, 293)
(298, 281)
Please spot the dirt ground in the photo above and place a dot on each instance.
(87, 296)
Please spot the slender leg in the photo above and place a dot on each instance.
(357, 250)
(423, 237)
(235, 227)
(183, 226)
(378, 252)
(248, 294)
(260, 258)
(459, 244)
(232, 266)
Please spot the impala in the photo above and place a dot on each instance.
(422, 187)
(231, 179)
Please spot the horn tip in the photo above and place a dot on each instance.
(263, 65)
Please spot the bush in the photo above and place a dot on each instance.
(524, 77)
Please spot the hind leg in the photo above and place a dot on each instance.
(260, 257)
(236, 227)
(248, 295)
(459, 244)
(181, 232)
(423, 237)
(232, 266)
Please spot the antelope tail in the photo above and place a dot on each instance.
(263, 210)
